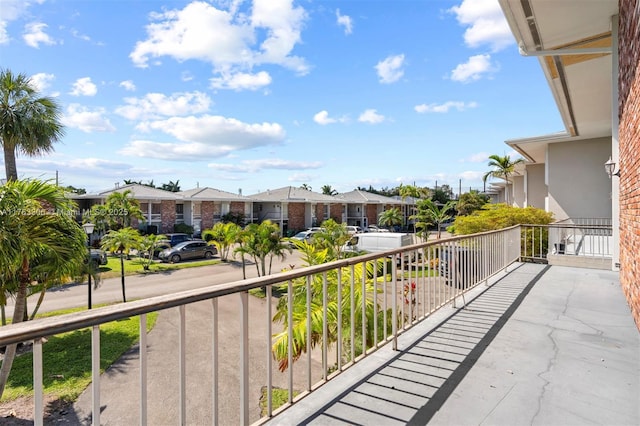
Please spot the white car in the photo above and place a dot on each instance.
(354, 229)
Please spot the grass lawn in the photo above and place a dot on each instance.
(67, 358)
(135, 266)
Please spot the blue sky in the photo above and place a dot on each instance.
(257, 95)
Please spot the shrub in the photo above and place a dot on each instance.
(183, 228)
(498, 216)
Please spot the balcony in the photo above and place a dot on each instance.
(473, 336)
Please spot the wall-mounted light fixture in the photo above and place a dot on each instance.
(611, 169)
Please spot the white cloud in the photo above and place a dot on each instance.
(474, 69)
(486, 24)
(34, 34)
(128, 85)
(87, 120)
(232, 41)
(371, 116)
(156, 105)
(11, 11)
(84, 87)
(471, 175)
(254, 166)
(204, 137)
(323, 118)
(345, 21)
(80, 36)
(390, 69)
(479, 157)
(41, 81)
(445, 107)
(241, 81)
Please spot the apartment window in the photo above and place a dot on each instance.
(180, 212)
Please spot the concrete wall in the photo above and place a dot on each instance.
(577, 183)
(536, 188)
(517, 186)
(629, 139)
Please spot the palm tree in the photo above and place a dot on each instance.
(305, 187)
(332, 237)
(503, 167)
(430, 214)
(148, 244)
(122, 208)
(328, 190)
(262, 242)
(350, 296)
(390, 218)
(37, 228)
(224, 236)
(121, 241)
(29, 123)
(171, 186)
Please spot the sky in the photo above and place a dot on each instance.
(247, 96)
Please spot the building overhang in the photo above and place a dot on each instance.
(572, 41)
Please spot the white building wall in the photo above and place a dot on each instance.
(578, 185)
(517, 189)
(536, 188)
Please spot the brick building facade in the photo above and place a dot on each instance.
(296, 216)
(629, 139)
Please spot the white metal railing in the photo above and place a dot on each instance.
(565, 239)
(363, 302)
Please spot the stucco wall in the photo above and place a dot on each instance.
(578, 185)
(629, 138)
(518, 190)
(536, 188)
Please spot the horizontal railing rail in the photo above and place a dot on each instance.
(327, 318)
(566, 239)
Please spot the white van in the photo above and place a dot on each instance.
(372, 242)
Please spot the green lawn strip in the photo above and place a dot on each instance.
(67, 358)
(134, 266)
(279, 397)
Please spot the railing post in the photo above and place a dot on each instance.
(182, 366)
(95, 375)
(244, 357)
(214, 357)
(394, 307)
(142, 354)
(38, 405)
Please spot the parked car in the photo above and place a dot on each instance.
(194, 249)
(99, 257)
(354, 229)
(302, 236)
(375, 228)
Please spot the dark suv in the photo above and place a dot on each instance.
(174, 239)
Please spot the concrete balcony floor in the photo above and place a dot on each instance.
(543, 345)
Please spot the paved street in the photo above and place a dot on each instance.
(141, 286)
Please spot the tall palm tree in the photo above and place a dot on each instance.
(390, 218)
(122, 242)
(503, 167)
(37, 223)
(29, 123)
